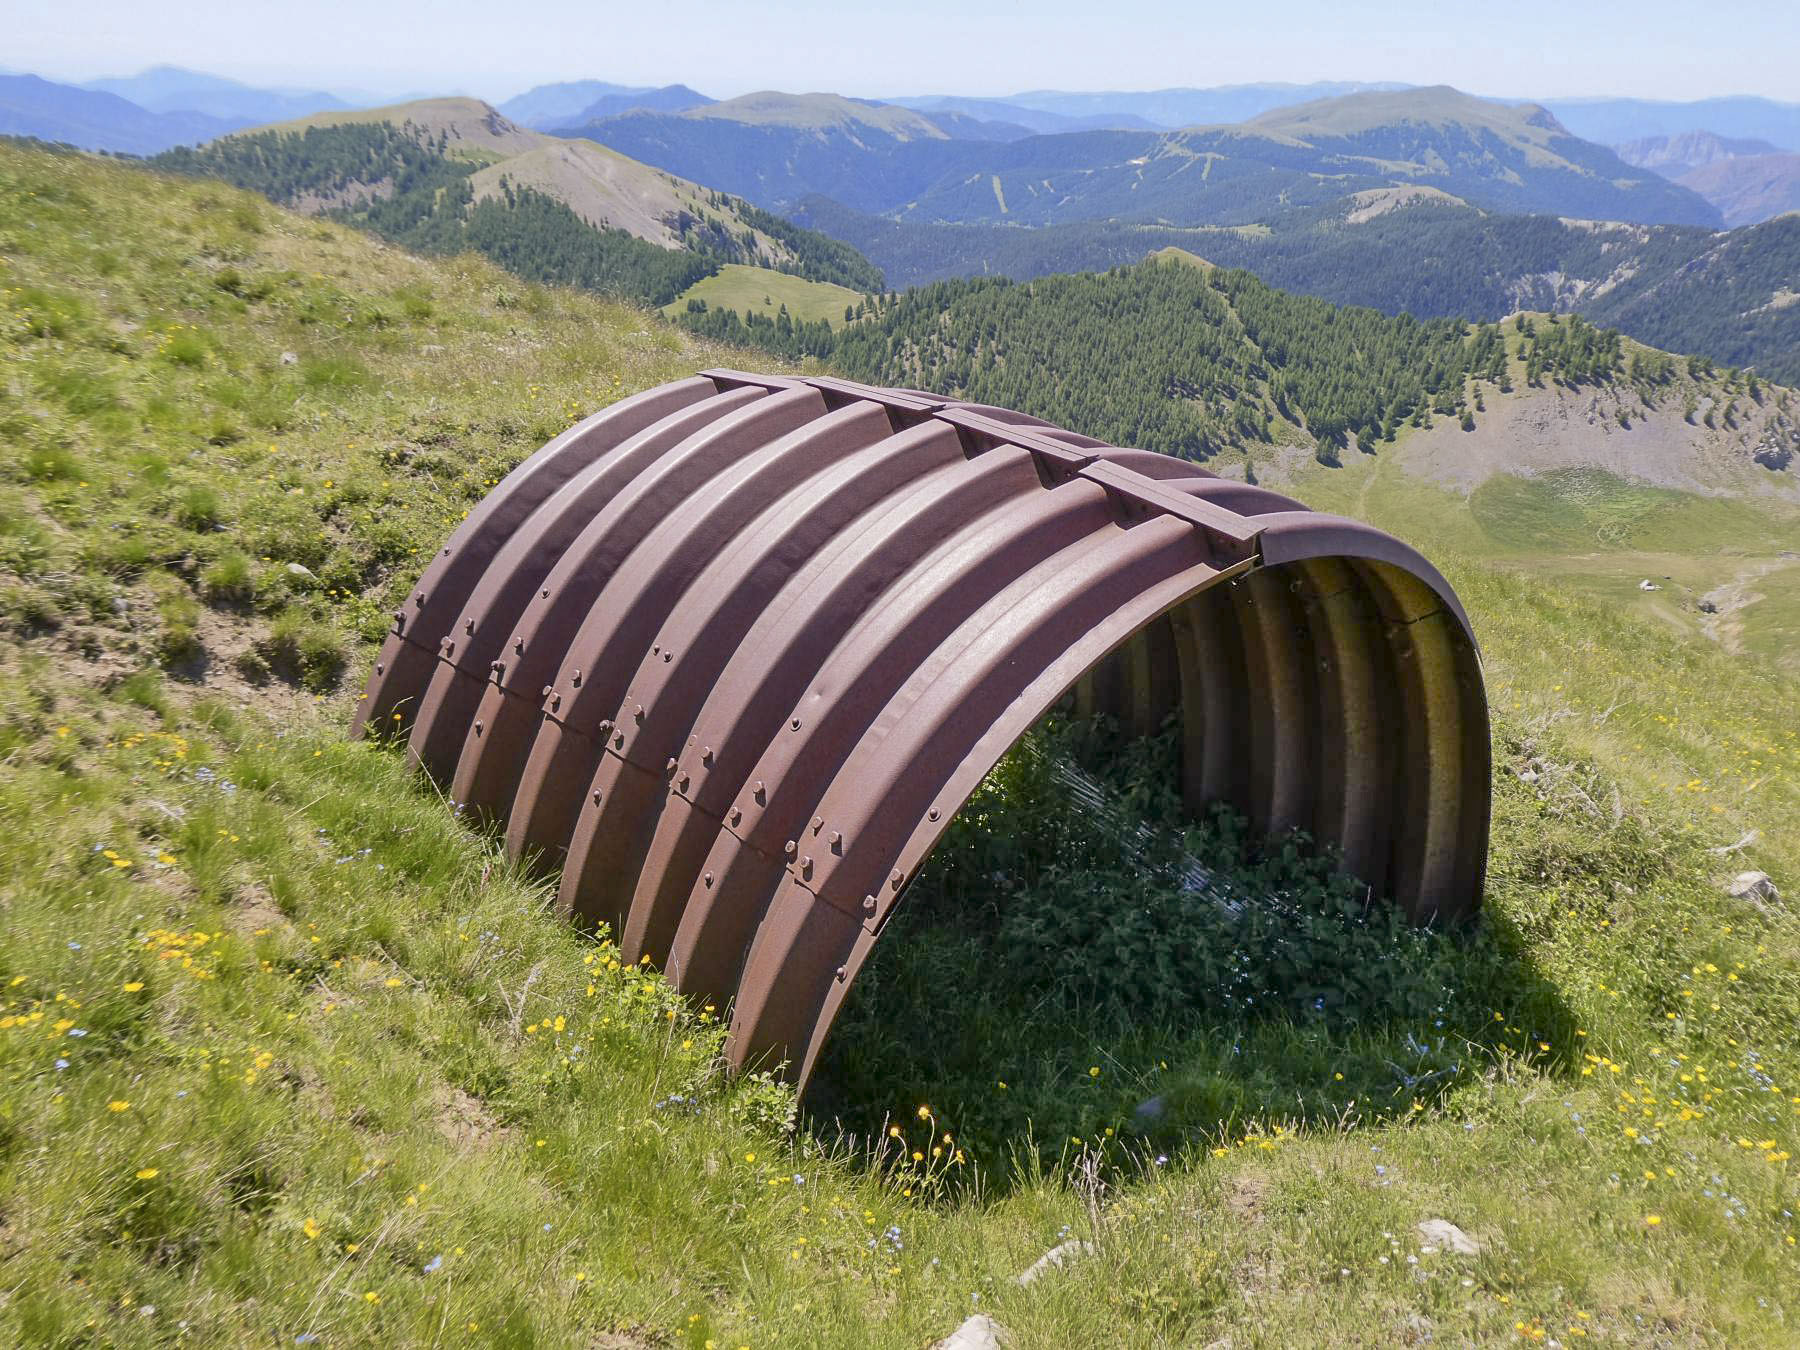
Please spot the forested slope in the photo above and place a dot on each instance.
(1181, 358)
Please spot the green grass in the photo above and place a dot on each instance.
(759, 290)
(332, 1045)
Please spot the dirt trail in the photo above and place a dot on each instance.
(1724, 626)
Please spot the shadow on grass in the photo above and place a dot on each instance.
(1061, 979)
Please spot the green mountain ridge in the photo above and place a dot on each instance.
(444, 174)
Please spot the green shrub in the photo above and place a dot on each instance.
(304, 651)
(200, 509)
(229, 579)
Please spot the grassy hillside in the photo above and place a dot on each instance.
(289, 1053)
(756, 290)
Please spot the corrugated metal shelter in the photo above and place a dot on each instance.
(732, 652)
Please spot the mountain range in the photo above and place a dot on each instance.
(776, 149)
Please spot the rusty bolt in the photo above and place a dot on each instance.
(817, 821)
(836, 840)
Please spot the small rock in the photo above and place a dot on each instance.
(302, 571)
(289, 359)
(979, 1332)
(1055, 1259)
(1752, 886)
(1648, 585)
(1447, 1236)
(1708, 607)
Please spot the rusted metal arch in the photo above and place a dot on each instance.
(731, 654)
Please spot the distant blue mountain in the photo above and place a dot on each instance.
(170, 89)
(575, 101)
(95, 120)
(1034, 120)
(1191, 107)
(1617, 121)
(671, 98)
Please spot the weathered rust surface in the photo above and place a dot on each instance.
(732, 653)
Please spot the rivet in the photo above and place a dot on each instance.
(637, 711)
(668, 656)
(546, 693)
(681, 784)
(932, 814)
(468, 625)
(795, 724)
(419, 599)
(841, 973)
(605, 728)
(894, 879)
(379, 668)
(655, 649)
(736, 815)
(868, 902)
(478, 727)
(619, 741)
(706, 756)
(806, 864)
(449, 647)
(400, 619)
(596, 796)
(575, 679)
(555, 701)
(669, 768)
(836, 840)
(760, 794)
(817, 821)
(791, 847)
(544, 594)
(708, 880)
(518, 646)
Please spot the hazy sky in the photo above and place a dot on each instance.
(1675, 49)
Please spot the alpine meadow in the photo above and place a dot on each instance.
(295, 1049)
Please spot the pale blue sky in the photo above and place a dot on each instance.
(1675, 49)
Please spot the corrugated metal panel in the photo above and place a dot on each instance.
(732, 653)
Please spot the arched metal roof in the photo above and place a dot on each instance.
(732, 652)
